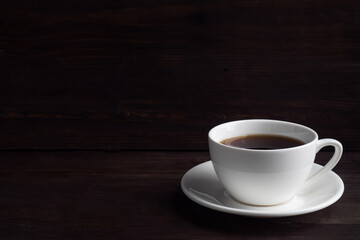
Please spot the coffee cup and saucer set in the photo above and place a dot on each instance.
(265, 168)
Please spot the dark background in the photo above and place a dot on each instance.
(104, 105)
(115, 75)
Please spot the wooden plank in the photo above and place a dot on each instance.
(134, 75)
(136, 195)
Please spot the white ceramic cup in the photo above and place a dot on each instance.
(267, 177)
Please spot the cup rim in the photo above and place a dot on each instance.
(316, 137)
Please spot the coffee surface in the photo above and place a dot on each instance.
(262, 142)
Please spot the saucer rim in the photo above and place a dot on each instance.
(259, 213)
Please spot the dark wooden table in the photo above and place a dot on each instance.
(137, 195)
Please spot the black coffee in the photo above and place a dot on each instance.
(262, 142)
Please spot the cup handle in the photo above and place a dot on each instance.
(331, 164)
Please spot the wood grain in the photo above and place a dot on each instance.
(137, 195)
(158, 75)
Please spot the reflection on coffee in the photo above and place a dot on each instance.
(262, 142)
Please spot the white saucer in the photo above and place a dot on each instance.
(202, 186)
